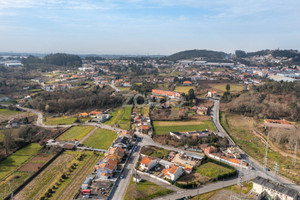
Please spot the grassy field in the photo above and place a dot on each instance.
(76, 133)
(100, 139)
(7, 112)
(15, 160)
(60, 120)
(121, 116)
(142, 109)
(163, 127)
(212, 170)
(145, 190)
(154, 151)
(222, 87)
(124, 88)
(183, 89)
(14, 133)
(240, 129)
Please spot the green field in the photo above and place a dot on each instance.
(7, 112)
(233, 87)
(145, 190)
(183, 89)
(212, 170)
(121, 116)
(101, 139)
(124, 88)
(15, 160)
(60, 120)
(76, 133)
(160, 127)
(14, 133)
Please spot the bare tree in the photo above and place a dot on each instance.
(8, 140)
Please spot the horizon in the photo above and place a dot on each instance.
(140, 27)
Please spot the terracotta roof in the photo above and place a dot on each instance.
(171, 170)
(146, 160)
(95, 112)
(83, 114)
(276, 121)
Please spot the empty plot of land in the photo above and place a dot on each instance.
(121, 116)
(163, 127)
(222, 87)
(76, 133)
(60, 120)
(212, 170)
(183, 89)
(100, 139)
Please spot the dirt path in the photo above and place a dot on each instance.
(272, 146)
(77, 179)
(88, 135)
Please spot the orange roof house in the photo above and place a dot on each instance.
(170, 94)
(210, 149)
(173, 172)
(187, 83)
(147, 163)
(94, 113)
(83, 114)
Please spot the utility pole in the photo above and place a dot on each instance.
(266, 154)
(11, 191)
(295, 154)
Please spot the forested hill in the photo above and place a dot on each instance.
(52, 61)
(190, 54)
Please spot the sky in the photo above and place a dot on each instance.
(141, 27)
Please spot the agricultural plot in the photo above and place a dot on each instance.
(183, 89)
(100, 139)
(14, 133)
(16, 178)
(75, 133)
(163, 127)
(154, 151)
(145, 190)
(7, 112)
(42, 182)
(17, 159)
(142, 109)
(121, 116)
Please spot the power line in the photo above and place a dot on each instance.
(266, 154)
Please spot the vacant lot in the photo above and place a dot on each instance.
(222, 87)
(101, 139)
(60, 120)
(163, 127)
(76, 133)
(183, 89)
(145, 190)
(154, 151)
(18, 158)
(41, 183)
(121, 116)
(212, 170)
(240, 128)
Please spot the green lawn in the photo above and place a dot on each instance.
(15, 160)
(76, 133)
(212, 170)
(60, 120)
(121, 116)
(183, 89)
(233, 87)
(7, 112)
(201, 125)
(145, 190)
(101, 139)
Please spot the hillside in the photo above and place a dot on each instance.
(190, 54)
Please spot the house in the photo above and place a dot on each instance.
(212, 94)
(94, 113)
(147, 163)
(115, 153)
(83, 114)
(127, 84)
(173, 172)
(278, 124)
(121, 142)
(210, 149)
(267, 189)
(170, 94)
(202, 111)
(145, 129)
(106, 168)
(187, 83)
(126, 133)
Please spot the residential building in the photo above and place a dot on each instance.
(173, 172)
(147, 163)
(170, 94)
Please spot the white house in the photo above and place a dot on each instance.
(173, 172)
(265, 188)
(147, 163)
